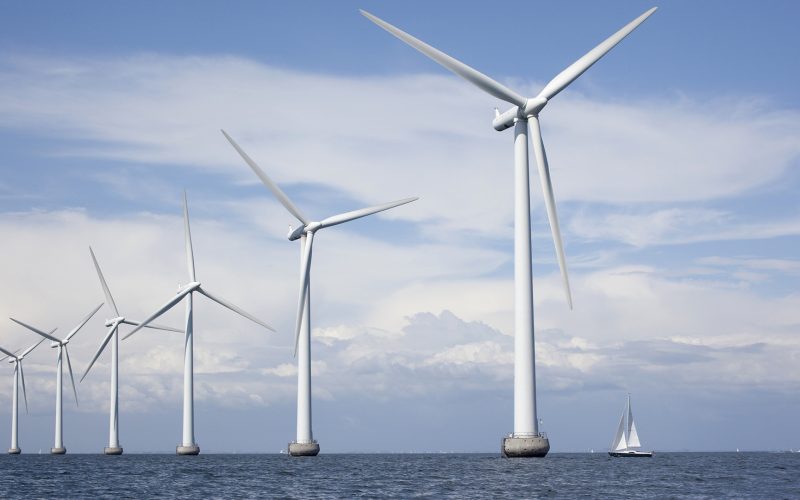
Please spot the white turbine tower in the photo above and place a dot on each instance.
(305, 445)
(19, 374)
(112, 336)
(63, 351)
(188, 445)
(526, 440)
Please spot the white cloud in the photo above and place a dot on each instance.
(676, 226)
(378, 138)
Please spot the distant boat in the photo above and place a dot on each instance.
(626, 441)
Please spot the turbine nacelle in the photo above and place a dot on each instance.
(507, 119)
(114, 321)
(189, 287)
(302, 230)
(295, 234)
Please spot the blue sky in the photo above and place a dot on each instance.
(675, 166)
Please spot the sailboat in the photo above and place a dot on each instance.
(626, 441)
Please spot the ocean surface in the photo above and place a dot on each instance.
(559, 475)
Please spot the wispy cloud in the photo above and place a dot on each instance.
(377, 137)
(676, 226)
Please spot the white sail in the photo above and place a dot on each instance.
(633, 436)
(619, 442)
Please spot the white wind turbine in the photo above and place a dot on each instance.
(188, 445)
(63, 351)
(526, 439)
(19, 374)
(112, 336)
(305, 444)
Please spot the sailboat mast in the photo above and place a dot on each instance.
(629, 421)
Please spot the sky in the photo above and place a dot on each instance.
(676, 168)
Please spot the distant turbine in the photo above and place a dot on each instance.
(19, 374)
(305, 444)
(114, 447)
(526, 439)
(61, 344)
(188, 445)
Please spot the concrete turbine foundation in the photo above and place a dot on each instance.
(529, 446)
(188, 450)
(304, 449)
(58, 451)
(117, 450)
(14, 451)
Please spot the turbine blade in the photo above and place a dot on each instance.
(71, 378)
(7, 353)
(106, 291)
(285, 201)
(32, 347)
(188, 237)
(99, 351)
(24, 391)
(36, 330)
(165, 328)
(550, 201)
(472, 75)
(166, 307)
(305, 268)
(83, 322)
(577, 68)
(363, 212)
(234, 308)
(152, 325)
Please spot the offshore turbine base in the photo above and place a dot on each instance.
(116, 450)
(304, 449)
(192, 449)
(525, 446)
(14, 451)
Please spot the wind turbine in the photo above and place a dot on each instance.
(526, 440)
(19, 374)
(63, 351)
(112, 336)
(305, 445)
(188, 445)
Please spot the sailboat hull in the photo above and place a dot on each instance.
(630, 453)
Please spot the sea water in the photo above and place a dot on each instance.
(562, 475)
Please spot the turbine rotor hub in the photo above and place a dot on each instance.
(508, 118)
(193, 285)
(115, 321)
(534, 105)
